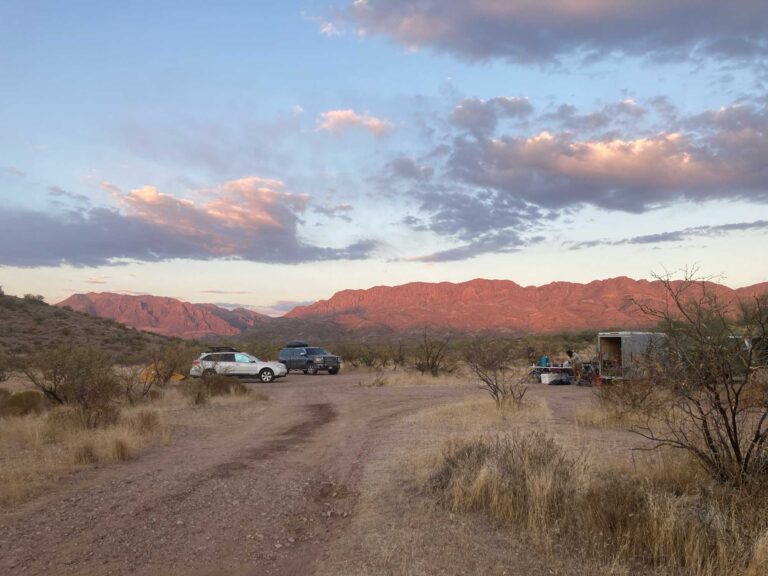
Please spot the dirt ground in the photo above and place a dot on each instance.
(321, 479)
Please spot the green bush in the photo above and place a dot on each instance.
(78, 376)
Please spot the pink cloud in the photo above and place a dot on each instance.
(664, 160)
(254, 219)
(339, 121)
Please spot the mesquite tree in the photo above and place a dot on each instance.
(712, 379)
(491, 360)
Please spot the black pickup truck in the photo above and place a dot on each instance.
(309, 359)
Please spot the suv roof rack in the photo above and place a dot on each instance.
(221, 349)
(296, 344)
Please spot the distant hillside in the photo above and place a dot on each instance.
(381, 312)
(28, 325)
(498, 305)
(166, 316)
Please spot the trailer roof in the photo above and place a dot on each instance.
(628, 333)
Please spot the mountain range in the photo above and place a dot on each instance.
(477, 305)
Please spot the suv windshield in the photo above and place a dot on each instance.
(316, 351)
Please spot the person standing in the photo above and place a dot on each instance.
(576, 364)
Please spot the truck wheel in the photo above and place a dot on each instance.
(333, 370)
(266, 375)
(312, 369)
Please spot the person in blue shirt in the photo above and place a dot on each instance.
(544, 360)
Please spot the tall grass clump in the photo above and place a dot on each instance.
(200, 391)
(37, 449)
(668, 521)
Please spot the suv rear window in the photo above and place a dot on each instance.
(316, 351)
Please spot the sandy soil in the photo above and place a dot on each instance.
(319, 480)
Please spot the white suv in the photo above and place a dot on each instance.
(234, 363)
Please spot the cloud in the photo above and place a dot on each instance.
(218, 146)
(626, 112)
(58, 192)
(481, 116)
(409, 168)
(97, 280)
(340, 211)
(495, 193)
(499, 242)
(15, 171)
(326, 27)
(339, 121)
(537, 31)
(634, 175)
(250, 219)
(677, 235)
(277, 309)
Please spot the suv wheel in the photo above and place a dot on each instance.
(266, 375)
(312, 369)
(333, 370)
(208, 372)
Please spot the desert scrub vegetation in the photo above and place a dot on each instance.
(80, 377)
(490, 361)
(708, 391)
(38, 449)
(664, 520)
(200, 391)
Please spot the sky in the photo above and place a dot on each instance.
(273, 153)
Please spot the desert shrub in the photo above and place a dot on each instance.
(85, 453)
(630, 397)
(143, 421)
(202, 389)
(21, 403)
(60, 422)
(398, 355)
(431, 356)
(198, 394)
(135, 382)
(262, 349)
(714, 392)
(165, 361)
(376, 380)
(641, 521)
(121, 450)
(349, 352)
(4, 366)
(526, 478)
(78, 376)
(34, 299)
(490, 361)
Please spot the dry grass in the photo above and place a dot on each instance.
(379, 378)
(37, 450)
(659, 517)
(599, 416)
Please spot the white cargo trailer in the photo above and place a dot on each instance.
(622, 355)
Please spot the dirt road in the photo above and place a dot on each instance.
(264, 496)
(311, 482)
